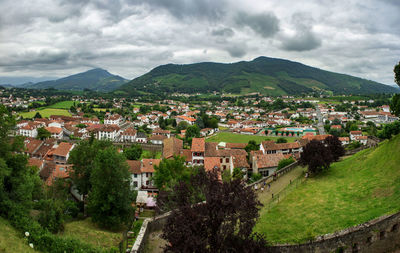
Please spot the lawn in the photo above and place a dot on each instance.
(358, 189)
(148, 154)
(100, 109)
(47, 112)
(10, 240)
(243, 138)
(63, 105)
(88, 232)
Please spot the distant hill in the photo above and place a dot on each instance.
(269, 76)
(94, 79)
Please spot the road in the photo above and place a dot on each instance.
(320, 124)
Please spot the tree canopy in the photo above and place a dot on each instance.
(171, 171)
(134, 152)
(222, 223)
(110, 197)
(317, 156)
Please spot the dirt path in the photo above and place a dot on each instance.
(278, 185)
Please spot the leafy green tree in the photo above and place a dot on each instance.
(171, 171)
(111, 196)
(237, 173)
(199, 122)
(213, 123)
(37, 115)
(43, 133)
(251, 145)
(281, 140)
(285, 162)
(255, 177)
(52, 215)
(193, 132)
(182, 125)
(335, 147)
(396, 71)
(134, 152)
(82, 157)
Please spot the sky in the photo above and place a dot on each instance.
(56, 38)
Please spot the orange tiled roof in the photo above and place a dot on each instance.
(211, 162)
(63, 149)
(148, 165)
(198, 145)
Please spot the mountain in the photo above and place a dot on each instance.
(269, 76)
(94, 79)
(22, 81)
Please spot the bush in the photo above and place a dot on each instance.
(285, 162)
(281, 140)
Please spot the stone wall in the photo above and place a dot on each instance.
(379, 235)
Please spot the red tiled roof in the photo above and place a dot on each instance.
(211, 162)
(269, 160)
(134, 166)
(35, 162)
(158, 137)
(63, 149)
(356, 132)
(32, 145)
(148, 164)
(172, 146)
(198, 145)
(187, 154)
(235, 145)
(54, 130)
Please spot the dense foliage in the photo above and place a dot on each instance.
(284, 77)
(170, 172)
(133, 152)
(224, 222)
(110, 197)
(316, 156)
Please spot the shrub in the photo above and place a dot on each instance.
(285, 162)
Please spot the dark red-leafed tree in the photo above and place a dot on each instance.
(209, 215)
(335, 146)
(316, 156)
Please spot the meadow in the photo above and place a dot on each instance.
(11, 240)
(46, 112)
(353, 191)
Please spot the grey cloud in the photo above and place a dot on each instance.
(42, 57)
(304, 39)
(266, 24)
(223, 32)
(236, 51)
(207, 9)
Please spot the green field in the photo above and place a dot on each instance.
(62, 105)
(243, 138)
(88, 232)
(100, 109)
(10, 240)
(45, 113)
(358, 189)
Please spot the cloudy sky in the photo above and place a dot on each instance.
(130, 37)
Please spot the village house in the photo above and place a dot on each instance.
(61, 152)
(354, 134)
(266, 164)
(114, 119)
(56, 132)
(158, 139)
(128, 135)
(270, 147)
(108, 132)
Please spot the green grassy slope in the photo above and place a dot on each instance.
(243, 138)
(10, 240)
(355, 190)
(268, 76)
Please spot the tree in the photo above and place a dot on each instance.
(37, 115)
(213, 123)
(82, 157)
(237, 174)
(134, 152)
(252, 145)
(335, 147)
(182, 125)
(285, 162)
(192, 132)
(199, 122)
(316, 156)
(43, 133)
(110, 197)
(223, 223)
(396, 71)
(171, 171)
(281, 140)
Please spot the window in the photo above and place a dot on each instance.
(227, 159)
(147, 182)
(221, 160)
(135, 175)
(135, 184)
(224, 167)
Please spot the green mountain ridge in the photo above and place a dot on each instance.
(268, 76)
(94, 79)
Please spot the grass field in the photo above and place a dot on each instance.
(88, 232)
(100, 109)
(148, 154)
(10, 240)
(62, 105)
(243, 138)
(45, 113)
(359, 188)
